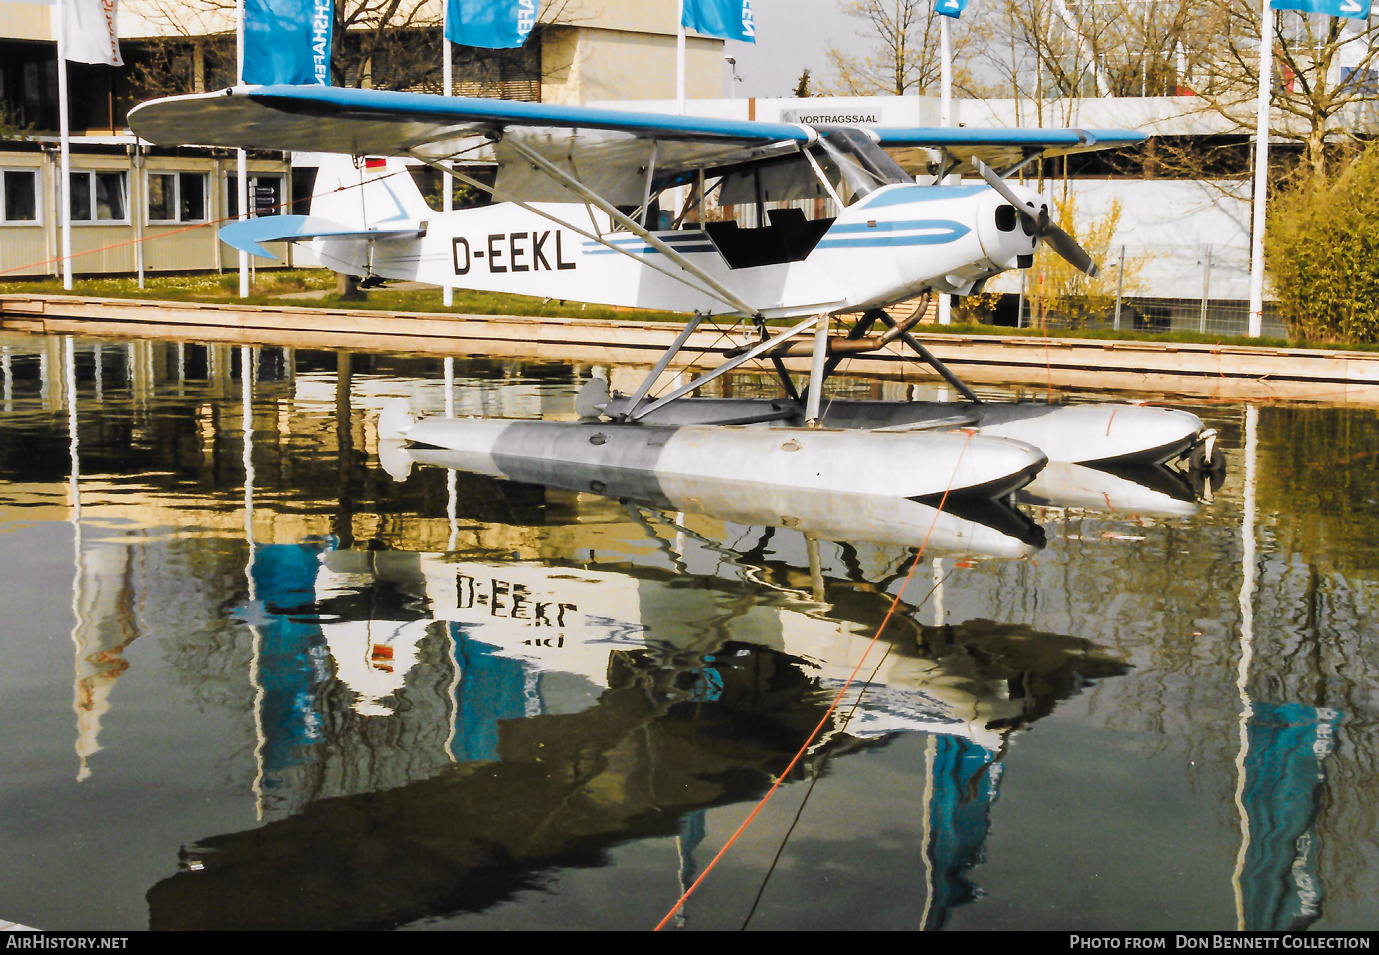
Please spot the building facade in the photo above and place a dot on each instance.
(136, 207)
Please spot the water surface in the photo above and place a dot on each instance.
(254, 681)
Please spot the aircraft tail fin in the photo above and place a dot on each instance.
(367, 194)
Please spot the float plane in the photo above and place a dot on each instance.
(610, 207)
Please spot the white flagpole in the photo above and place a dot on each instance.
(65, 136)
(945, 302)
(1261, 182)
(448, 184)
(680, 57)
(241, 158)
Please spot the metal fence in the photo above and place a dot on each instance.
(1200, 289)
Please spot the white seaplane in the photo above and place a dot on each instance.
(578, 216)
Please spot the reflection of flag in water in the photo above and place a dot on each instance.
(1283, 778)
(292, 657)
(966, 780)
(493, 688)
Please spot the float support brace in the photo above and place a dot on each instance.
(727, 366)
(933, 362)
(660, 366)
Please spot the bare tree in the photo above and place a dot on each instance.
(1324, 87)
(905, 53)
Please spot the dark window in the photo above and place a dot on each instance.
(19, 202)
(192, 197)
(162, 198)
(177, 197)
(81, 197)
(99, 197)
(265, 195)
(110, 196)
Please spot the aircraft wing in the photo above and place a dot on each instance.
(914, 147)
(609, 151)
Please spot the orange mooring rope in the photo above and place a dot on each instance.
(832, 706)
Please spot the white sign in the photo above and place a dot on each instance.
(829, 118)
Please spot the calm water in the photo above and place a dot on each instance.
(252, 680)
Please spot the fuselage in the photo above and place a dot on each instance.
(889, 246)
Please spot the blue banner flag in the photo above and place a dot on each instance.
(288, 41)
(950, 8)
(728, 19)
(492, 24)
(1354, 9)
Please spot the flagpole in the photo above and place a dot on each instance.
(447, 184)
(65, 139)
(680, 57)
(945, 302)
(241, 157)
(1261, 180)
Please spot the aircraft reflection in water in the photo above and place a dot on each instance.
(571, 708)
(583, 707)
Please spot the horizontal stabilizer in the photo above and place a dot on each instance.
(248, 234)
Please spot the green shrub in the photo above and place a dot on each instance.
(1322, 250)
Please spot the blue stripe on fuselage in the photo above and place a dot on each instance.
(901, 195)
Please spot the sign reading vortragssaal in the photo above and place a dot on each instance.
(829, 118)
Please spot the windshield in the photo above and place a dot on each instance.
(861, 165)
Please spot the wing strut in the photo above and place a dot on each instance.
(588, 195)
(592, 237)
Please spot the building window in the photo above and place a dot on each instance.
(18, 195)
(266, 196)
(100, 197)
(177, 197)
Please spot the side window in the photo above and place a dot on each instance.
(99, 197)
(81, 197)
(266, 196)
(177, 197)
(191, 196)
(18, 195)
(110, 196)
(162, 197)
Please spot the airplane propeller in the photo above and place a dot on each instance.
(1037, 222)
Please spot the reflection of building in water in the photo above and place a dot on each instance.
(104, 627)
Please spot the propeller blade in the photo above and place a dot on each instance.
(1058, 240)
(1002, 187)
(1066, 246)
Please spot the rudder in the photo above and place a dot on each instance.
(367, 193)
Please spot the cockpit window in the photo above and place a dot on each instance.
(860, 164)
